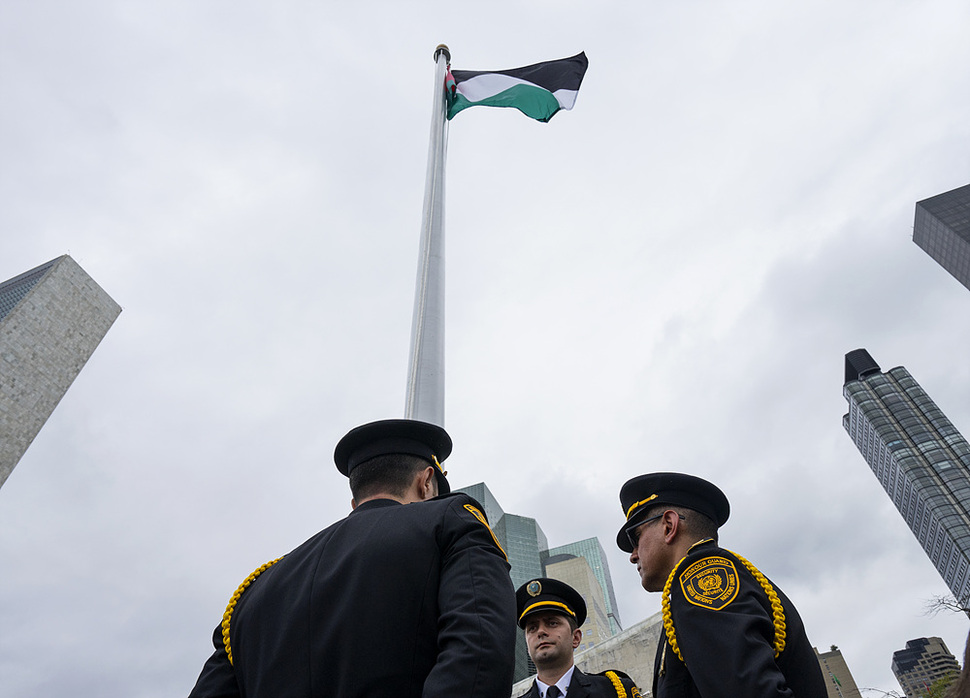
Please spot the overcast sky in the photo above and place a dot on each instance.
(665, 278)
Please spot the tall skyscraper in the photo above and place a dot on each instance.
(52, 318)
(839, 682)
(524, 542)
(942, 229)
(923, 662)
(920, 459)
(581, 564)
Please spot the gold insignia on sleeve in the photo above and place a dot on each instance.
(710, 583)
(481, 517)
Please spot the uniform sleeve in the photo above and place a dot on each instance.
(217, 679)
(476, 636)
(729, 649)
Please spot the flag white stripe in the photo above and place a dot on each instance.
(566, 98)
(490, 84)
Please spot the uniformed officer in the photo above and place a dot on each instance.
(728, 630)
(407, 596)
(551, 613)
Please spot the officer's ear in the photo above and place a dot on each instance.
(429, 484)
(423, 486)
(577, 637)
(671, 523)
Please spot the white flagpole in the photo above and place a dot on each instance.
(426, 366)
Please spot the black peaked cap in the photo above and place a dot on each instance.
(642, 493)
(395, 436)
(544, 595)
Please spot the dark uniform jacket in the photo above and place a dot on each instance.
(594, 686)
(394, 601)
(724, 626)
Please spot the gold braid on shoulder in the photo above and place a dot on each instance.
(665, 607)
(617, 684)
(227, 616)
(777, 612)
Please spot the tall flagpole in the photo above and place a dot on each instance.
(426, 366)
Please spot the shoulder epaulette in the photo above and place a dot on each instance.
(461, 494)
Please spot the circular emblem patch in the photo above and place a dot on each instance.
(710, 583)
(534, 588)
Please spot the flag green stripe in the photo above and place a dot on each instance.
(532, 101)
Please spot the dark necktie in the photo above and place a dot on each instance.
(553, 692)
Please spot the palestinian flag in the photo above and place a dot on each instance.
(538, 90)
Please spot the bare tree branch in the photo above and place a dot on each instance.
(943, 603)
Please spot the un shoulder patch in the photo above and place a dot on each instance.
(710, 583)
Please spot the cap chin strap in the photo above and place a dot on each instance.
(543, 604)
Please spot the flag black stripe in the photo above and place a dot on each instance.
(562, 74)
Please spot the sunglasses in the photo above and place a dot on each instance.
(633, 532)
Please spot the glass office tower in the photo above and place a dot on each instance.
(942, 230)
(920, 459)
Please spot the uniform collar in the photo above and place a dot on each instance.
(562, 683)
(700, 543)
(376, 504)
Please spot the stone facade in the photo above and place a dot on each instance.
(578, 574)
(52, 318)
(838, 679)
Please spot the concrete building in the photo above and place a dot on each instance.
(838, 679)
(942, 230)
(578, 574)
(581, 564)
(919, 458)
(923, 662)
(52, 318)
(592, 551)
